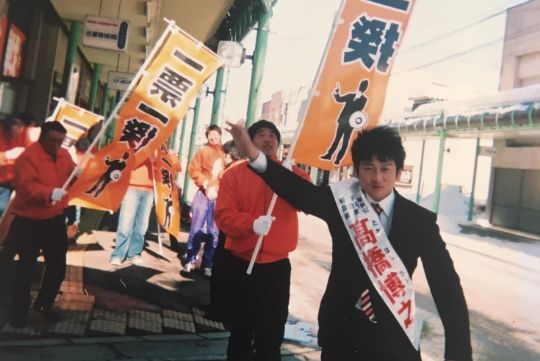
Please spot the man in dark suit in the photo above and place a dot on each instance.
(348, 328)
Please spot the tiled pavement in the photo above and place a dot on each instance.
(131, 312)
(82, 317)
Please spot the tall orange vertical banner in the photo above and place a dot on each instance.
(167, 200)
(350, 86)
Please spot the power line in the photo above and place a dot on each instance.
(469, 50)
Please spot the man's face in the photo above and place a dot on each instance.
(377, 178)
(227, 159)
(52, 141)
(213, 137)
(17, 127)
(266, 141)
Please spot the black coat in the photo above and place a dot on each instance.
(414, 234)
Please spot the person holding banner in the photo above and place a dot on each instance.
(259, 302)
(134, 216)
(39, 224)
(204, 169)
(12, 144)
(220, 282)
(361, 316)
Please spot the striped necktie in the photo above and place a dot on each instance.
(377, 208)
(364, 303)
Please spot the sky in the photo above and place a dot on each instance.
(430, 62)
(299, 30)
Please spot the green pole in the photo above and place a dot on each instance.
(258, 67)
(218, 89)
(71, 55)
(192, 141)
(104, 98)
(470, 212)
(420, 171)
(94, 86)
(182, 136)
(112, 125)
(438, 176)
(181, 145)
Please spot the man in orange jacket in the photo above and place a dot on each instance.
(259, 301)
(204, 169)
(40, 172)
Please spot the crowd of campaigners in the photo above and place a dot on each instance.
(235, 184)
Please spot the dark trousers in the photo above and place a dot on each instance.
(32, 236)
(259, 305)
(221, 282)
(356, 339)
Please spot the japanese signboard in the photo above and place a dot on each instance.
(349, 89)
(167, 200)
(105, 33)
(117, 80)
(76, 120)
(381, 262)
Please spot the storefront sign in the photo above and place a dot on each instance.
(119, 81)
(105, 33)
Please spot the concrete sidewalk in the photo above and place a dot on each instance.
(149, 311)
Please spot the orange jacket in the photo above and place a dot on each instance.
(36, 175)
(7, 166)
(243, 197)
(206, 166)
(143, 176)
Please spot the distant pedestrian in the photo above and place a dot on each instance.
(204, 169)
(134, 216)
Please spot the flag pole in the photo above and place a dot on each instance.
(132, 85)
(160, 244)
(288, 160)
(53, 116)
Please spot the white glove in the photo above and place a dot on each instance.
(211, 193)
(261, 226)
(57, 194)
(14, 153)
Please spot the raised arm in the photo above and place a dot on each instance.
(289, 185)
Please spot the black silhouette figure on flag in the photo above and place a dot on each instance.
(351, 117)
(112, 174)
(169, 210)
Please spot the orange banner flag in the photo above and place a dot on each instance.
(350, 86)
(167, 199)
(76, 120)
(105, 179)
(163, 96)
(159, 97)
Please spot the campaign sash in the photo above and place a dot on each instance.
(381, 262)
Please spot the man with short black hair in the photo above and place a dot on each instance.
(258, 302)
(367, 310)
(39, 224)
